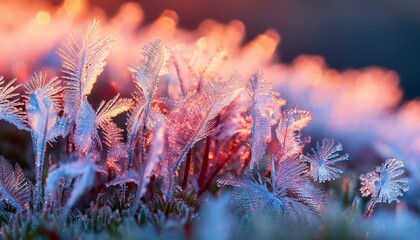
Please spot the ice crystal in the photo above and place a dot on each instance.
(290, 196)
(116, 148)
(86, 132)
(261, 105)
(146, 76)
(14, 187)
(288, 132)
(83, 61)
(188, 123)
(250, 196)
(9, 104)
(322, 160)
(386, 183)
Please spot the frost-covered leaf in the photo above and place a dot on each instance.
(82, 170)
(117, 149)
(261, 105)
(14, 187)
(9, 105)
(250, 197)
(152, 65)
(86, 133)
(192, 121)
(42, 107)
(42, 110)
(302, 198)
(88, 122)
(146, 77)
(288, 132)
(322, 161)
(107, 110)
(291, 195)
(386, 183)
(82, 61)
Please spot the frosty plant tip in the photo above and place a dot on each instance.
(189, 131)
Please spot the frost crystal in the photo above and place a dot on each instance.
(83, 61)
(261, 105)
(386, 183)
(14, 187)
(323, 159)
(288, 132)
(9, 105)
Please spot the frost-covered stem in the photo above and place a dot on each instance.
(187, 170)
(139, 141)
(370, 208)
(205, 165)
(273, 173)
(39, 167)
(136, 202)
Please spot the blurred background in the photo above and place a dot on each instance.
(348, 34)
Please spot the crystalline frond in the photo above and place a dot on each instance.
(193, 120)
(386, 183)
(82, 61)
(116, 148)
(9, 105)
(262, 103)
(14, 186)
(86, 132)
(152, 65)
(43, 105)
(107, 110)
(322, 160)
(288, 132)
(135, 119)
(294, 187)
(113, 135)
(249, 196)
(51, 88)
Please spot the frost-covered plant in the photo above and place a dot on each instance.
(283, 188)
(323, 158)
(9, 104)
(42, 109)
(14, 187)
(189, 126)
(385, 184)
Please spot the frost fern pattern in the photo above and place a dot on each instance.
(189, 131)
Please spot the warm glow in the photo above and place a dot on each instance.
(43, 18)
(73, 7)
